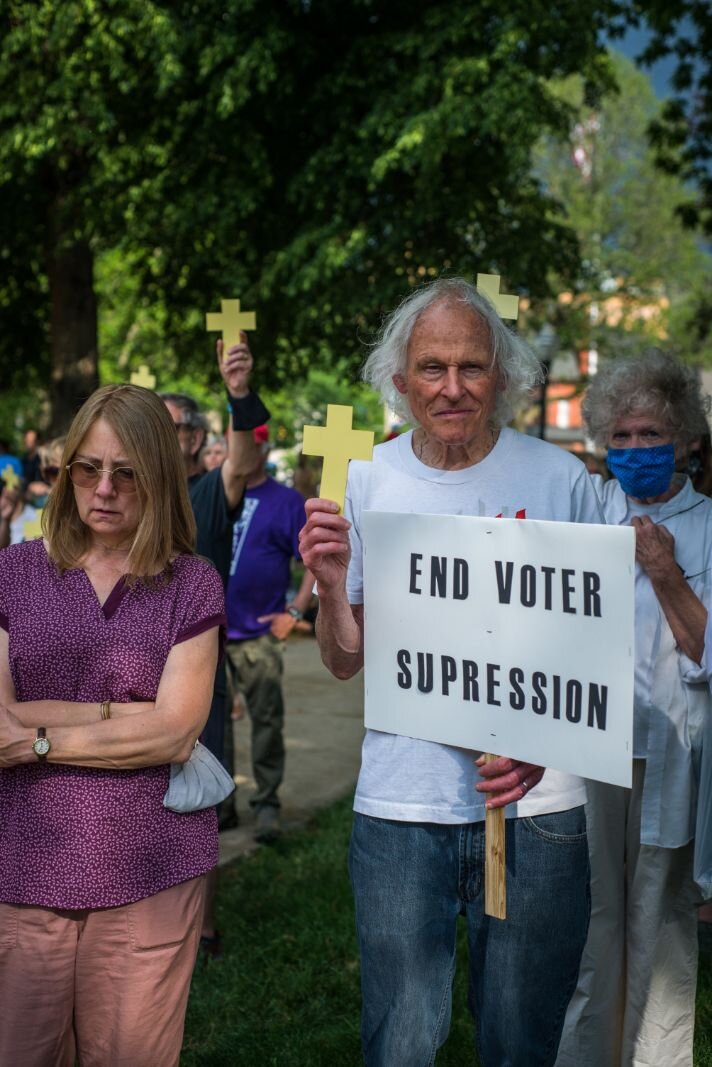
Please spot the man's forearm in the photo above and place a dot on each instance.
(241, 459)
(339, 631)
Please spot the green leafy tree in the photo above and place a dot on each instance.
(315, 159)
(393, 145)
(682, 133)
(83, 115)
(642, 272)
(291, 410)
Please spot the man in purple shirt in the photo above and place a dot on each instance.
(265, 540)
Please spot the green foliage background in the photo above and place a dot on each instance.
(315, 159)
(625, 213)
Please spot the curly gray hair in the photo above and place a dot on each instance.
(515, 360)
(654, 382)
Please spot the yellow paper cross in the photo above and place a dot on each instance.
(143, 377)
(507, 307)
(10, 477)
(33, 527)
(337, 442)
(230, 321)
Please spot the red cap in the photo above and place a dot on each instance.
(261, 434)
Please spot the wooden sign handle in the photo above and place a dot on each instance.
(495, 857)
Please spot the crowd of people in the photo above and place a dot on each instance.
(155, 602)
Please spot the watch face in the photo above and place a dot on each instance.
(41, 746)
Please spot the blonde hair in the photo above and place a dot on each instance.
(166, 527)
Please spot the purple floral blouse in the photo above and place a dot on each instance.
(83, 837)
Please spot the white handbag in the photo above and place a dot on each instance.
(200, 783)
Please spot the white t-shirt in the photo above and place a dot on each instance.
(402, 777)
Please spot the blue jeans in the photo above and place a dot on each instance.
(410, 883)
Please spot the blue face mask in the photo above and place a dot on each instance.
(642, 472)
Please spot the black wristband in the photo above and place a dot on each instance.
(248, 412)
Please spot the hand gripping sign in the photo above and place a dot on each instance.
(497, 635)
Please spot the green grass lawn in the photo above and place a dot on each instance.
(286, 992)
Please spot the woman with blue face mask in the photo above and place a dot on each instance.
(635, 999)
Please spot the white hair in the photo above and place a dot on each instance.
(517, 364)
(653, 382)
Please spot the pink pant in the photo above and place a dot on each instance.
(108, 986)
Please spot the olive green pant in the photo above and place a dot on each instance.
(255, 669)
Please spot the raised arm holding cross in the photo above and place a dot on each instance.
(325, 538)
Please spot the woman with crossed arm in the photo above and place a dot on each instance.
(108, 645)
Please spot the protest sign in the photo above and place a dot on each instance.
(503, 635)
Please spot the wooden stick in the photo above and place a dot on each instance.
(495, 857)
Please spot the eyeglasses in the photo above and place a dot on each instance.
(86, 476)
(50, 472)
(182, 426)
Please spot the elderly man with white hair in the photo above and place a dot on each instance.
(446, 361)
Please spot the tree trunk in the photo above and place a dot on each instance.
(73, 328)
